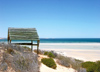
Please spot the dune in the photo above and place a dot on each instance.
(60, 68)
(85, 55)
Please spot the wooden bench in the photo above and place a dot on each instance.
(24, 34)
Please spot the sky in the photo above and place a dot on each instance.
(52, 18)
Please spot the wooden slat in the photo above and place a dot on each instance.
(21, 30)
(23, 38)
(23, 33)
(25, 44)
(32, 36)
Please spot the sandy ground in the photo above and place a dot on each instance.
(85, 55)
(44, 68)
(60, 68)
(82, 51)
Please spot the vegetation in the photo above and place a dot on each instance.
(17, 59)
(49, 62)
(69, 62)
(26, 48)
(10, 51)
(39, 51)
(46, 53)
(91, 66)
(51, 55)
(22, 62)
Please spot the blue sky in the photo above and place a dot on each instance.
(52, 18)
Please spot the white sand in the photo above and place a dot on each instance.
(44, 68)
(59, 68)
(82, 51)
(85, 55)
(70, 44)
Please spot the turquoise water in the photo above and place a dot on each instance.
(62, 40)
(62, 43)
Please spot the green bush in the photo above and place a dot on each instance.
(97, 68)
(49, 62)
(45, 53)
(39, 51)
(87, 64)
(92, 66)
(51, 55)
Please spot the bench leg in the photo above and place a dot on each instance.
(32, 46)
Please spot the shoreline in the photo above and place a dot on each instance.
(85, 55)
(82, 51)
(70, 49)
(72, 46)
(70, 43)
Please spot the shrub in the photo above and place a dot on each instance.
(10, 51)
(26, 48)
(49, 62)
(87, 64)
(63, 60)
(91, 66)
(45, 53)
(68, 62)
(54, 53)
(39, 51)
(97, 66)
(51, 55)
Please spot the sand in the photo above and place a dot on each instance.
(44, 68)
(81, 54)
(60, 68)
(85, 55)
(82, 51)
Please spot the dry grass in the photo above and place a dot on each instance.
(39, 51)
(17, 59)
(69, 62)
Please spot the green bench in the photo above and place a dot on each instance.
(24, 34)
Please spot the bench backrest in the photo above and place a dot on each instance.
(22, 34)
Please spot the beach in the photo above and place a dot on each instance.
(82, 51)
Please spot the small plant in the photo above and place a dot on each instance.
(63, 60)
(10, 51)
(45, 53)
(87, 64)
(91, 66)
(51, 55)
(49, 62)
(26, 48)
(98, 66)
(39, 51)
(69, 62)
(22, 62)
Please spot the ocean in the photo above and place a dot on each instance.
(64, 43)
(62, 40)
(87, 49)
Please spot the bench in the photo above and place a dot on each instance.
(24, 34)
